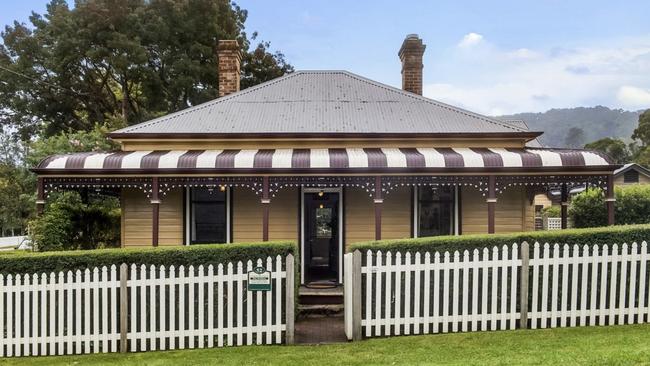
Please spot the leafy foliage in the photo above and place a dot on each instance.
(551, 211)
(587, 209)
(603, 235)
(70, 142)
(632, 207)
(642, 132)
(181, 255)
(17, 199)
(614, 148)
(72, 222)
(119, 62)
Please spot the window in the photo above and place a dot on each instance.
(435, 211)
(208, 216)
(631, 176)
(324, 223)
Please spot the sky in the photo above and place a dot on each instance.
(493, 57)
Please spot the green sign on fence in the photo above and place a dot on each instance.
(259, 279)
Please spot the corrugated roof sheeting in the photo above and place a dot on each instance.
(322, 102)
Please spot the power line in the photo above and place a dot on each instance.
(40, 81)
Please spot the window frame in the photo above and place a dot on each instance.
(189, 215)
(455, 224)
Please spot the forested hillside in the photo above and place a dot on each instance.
(574, 127)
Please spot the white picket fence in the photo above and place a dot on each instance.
(495, 289)
(144, 308)
(588, 285)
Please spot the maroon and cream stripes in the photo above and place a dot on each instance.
(336, 158)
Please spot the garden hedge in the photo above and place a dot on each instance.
(33, 262)
(602, 235)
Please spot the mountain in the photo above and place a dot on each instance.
(595, 122)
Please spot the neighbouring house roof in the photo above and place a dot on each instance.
(322, 102)
(520, 123)
(330, 160)
(632, 166)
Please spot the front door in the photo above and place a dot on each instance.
(321, 245)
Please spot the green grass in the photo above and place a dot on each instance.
(616, 345)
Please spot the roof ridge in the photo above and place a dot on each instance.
(432, 101)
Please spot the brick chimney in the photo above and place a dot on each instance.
(411, 56)
(229, 57)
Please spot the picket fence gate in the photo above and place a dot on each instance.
(495, 289)
(142, 308)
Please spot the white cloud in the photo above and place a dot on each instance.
(495, 80)
(470, 39)
(523, 53)
(633, 97)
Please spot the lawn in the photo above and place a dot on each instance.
(616, 345)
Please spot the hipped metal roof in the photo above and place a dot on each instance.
(322, 102)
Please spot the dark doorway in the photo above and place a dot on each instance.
(321, 247)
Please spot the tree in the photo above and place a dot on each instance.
(70, 142)
(643, 157)
(642, 132)
(616, 149)
(17, 186)
(575, 137)
(119, 62)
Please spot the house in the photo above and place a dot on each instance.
(325, 158)
(631, 174)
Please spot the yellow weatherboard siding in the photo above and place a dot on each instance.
(137, 218)
(360, 215)
(514, 211)
(247, 215)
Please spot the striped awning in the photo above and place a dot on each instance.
(336, 159)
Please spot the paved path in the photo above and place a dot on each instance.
(315, 329)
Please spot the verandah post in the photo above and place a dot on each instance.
(378, 200)
(155, 209)
(265, 208)
(564, 205)
(491, 202)
(610, 199)
(523, 285)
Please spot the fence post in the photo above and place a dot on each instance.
(290, 299)
(523, 286)
(124, 306)
(356, 296)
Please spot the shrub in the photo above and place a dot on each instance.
(551, 211)
(588, 209)
(604, 235)
(633, 204)
(70, 222)
(632, 207)
(30, 262)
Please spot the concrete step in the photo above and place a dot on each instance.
(320, 296)
(317, 310)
